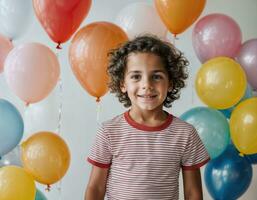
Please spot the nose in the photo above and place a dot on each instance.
(147, 83)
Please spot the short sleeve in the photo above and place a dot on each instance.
(100, 153)
(195, 154)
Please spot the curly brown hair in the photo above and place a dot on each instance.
(174, 62)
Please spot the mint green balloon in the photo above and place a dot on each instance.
(212, 127)
(40, 195)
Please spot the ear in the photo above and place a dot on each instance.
(170, 87)
(123, 88)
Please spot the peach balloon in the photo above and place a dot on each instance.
(178, 15)
(32, 71)
(5, 47)
(46, 156)
(88, 55)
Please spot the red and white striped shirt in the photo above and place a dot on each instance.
(145, 161)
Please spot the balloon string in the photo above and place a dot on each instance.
(58, 130)
(98, 110)
(59, 187)
(174, 39)
(60, 107)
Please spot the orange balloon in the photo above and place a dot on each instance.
(88, 55)
(178, 15)
(46, 156)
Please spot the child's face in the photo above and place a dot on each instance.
(146, 81)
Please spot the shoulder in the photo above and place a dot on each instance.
(117, 120)
(182, 125)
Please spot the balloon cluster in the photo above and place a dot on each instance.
(224, 83)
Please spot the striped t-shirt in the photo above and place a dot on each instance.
(145, 161)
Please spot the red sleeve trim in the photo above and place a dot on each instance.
(101, 165)
(197, 166)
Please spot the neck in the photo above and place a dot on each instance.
(150, 118)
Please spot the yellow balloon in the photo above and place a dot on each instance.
(243, 126)
(220, 83)
(46, 156)
(16, 184)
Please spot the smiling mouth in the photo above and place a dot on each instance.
(147, 96)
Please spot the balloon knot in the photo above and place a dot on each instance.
(58, 46)
(98, 99)
(241, 154)
(48, 187)
(27, 104)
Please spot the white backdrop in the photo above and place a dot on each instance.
(79, 118)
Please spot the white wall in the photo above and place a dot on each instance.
(79, 122)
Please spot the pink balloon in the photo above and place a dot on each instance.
(247, 58)
(216, 35)
(32, 71)
(5, 47)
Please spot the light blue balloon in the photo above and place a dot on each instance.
(40, 195)
(11, 127)
(248, 94)
(212, 127)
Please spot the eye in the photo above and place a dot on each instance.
(156, 77)
(135, 76)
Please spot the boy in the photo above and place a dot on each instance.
(138, 155)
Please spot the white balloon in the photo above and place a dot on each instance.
(15, 17)
(44, 115)
(140, 18)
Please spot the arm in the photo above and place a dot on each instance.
(192, 184)
(97, 183)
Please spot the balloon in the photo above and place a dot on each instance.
(178, 15)
(243, 126)
(40, 195)
(216, 35)
(15, 17)
(16, 184)
(134, 20)
(5, 48)
(220, 82)
(212, 128)
(88, 55)
(11, 158)
(247, 57)
(252, 158)
(11, 127)
(43, 115)
(61, 18)
(46, 156)
(248, 94)
(228, 176)
(32, 71)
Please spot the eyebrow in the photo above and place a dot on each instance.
(138, 72)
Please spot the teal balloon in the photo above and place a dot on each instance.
(40, 195)
(228, 176)
(212, 127)
(248, 94)
(11, 127)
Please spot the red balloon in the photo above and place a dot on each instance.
(61, 18)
